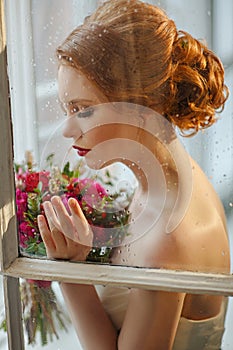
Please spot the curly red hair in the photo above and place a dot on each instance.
(133, 52)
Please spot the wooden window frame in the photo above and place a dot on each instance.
(14, 267)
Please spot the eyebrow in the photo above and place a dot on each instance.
(82, 101)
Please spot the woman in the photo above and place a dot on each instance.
(131, 53)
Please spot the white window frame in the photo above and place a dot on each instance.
(14, 267)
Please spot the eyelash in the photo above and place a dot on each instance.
(84, 112)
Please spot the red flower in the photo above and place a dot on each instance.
(32, 180)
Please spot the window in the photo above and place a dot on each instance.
(37, 26)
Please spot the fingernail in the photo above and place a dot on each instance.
(40, 218)
(55, 200)
(72, 202)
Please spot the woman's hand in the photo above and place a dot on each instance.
(65, 236)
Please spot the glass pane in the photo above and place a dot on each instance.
(138, 183)
(129, 91)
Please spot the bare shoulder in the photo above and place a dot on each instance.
(200, 241)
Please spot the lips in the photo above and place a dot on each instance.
(81, 151)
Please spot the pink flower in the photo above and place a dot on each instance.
(84, 190)
(44, 177)
(21, 202)
(23, 240)
(92, 192)
(26, 229)
(25, 232)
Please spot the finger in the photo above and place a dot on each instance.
(66, 224)
(45, 233)
(77, 215)
(84, 231)
(51, 216)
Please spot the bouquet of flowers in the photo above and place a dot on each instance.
(107, 214)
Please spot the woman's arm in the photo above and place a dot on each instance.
(93, 326)
(151, 320)
(152, 317)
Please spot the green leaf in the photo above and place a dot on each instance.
(107, 173)
(66, 170)
(49, 159)
(41, 249)
(40, 186)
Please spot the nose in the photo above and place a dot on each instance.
(71, 128)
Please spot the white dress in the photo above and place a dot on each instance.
(191, 335)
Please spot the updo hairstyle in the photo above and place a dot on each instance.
(133, 52)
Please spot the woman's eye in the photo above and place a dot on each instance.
(86, 112)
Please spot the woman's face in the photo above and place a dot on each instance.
(76, 94)
(96, 126)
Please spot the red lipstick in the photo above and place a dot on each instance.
(81, 151)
